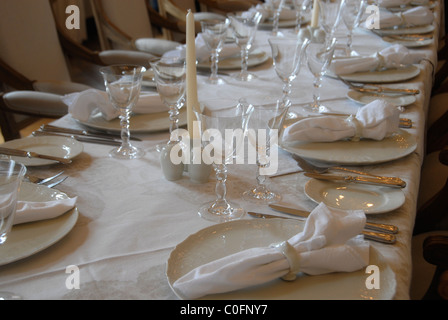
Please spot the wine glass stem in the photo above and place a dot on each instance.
(349, 43)
(244, 58)
(124, 122)
(221, 178)
(298, 21)
(316, 92)
(214, 65)
(261, 179)
(174, 117)
(286, 92)
(276, 20)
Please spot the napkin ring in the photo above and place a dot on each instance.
(291, 256)
(356, 125)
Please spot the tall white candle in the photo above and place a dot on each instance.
(191, 77)
(315, 16)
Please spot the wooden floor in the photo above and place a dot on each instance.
(32, 127)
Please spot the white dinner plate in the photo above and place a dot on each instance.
(27, 239)
(367, 97)
(384, 76)
(224, 239)
(354, 196)
(408, 30)
(365, 151)
(139, 123)
(409, 43)
(256, 58)
(62, 147)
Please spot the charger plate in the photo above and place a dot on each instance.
(347, 152)
(27, 239)
(224, 239)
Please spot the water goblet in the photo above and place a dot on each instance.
(264, 134)
(351, 12)
(11, 177)
(223, 123)
(300, 6)
(319, 57)
(329, 13)
(244, 29)
(214, 33)
(123, 83)
(169, 75)
(276, 6)
(287, 53)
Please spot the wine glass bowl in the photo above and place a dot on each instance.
(170, 75)
(287, 54)
(319, 57)
(329, 14)
(264, 134)
(214, 33)
(11, 177)
(123, 84)
(244, 29)
(218, 119)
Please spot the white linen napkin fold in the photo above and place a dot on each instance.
(81, 104)
(330, 242)
(30, 211)
(418, 16)
(202, 52)
(267, 12)
(392, 57)
(376, 120)
(392, 3)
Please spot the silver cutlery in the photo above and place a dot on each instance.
(357, 179)
(310, 168)
(31, 154)
(382, 227)
(376, 88)
(51, 128)
(368, 235)
(80, 138)
(54, 184)
(37, 180)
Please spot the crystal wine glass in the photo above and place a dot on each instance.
(300, 6)
(170, 77)
(244, 29)
(214, 33)
(264, 134)
(276, 6)
(329, 13)
(123, 83)
(287, 53)
(11, 177)
(223, 124)
(351, 12)
(319, 57)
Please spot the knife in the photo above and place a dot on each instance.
(31, 154)
(304, 214)
(51, 128)
(368, 235)
(359, 179)
(81, 138)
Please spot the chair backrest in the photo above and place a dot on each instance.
(29, 41)
(119, 22)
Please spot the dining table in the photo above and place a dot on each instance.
(129, 218)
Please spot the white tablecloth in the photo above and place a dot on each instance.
(131, 218)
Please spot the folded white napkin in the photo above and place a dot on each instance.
(376, 120)
(330, 242)
(202, 51)
(81, 104)
(417, 16)
(267, 12)
(392, 57)
(29, 211)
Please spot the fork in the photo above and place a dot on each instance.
(361, 87)
(37, 180)
(309, 167)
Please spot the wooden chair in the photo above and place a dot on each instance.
(227, 6)
(128, 25)
(33, 64)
